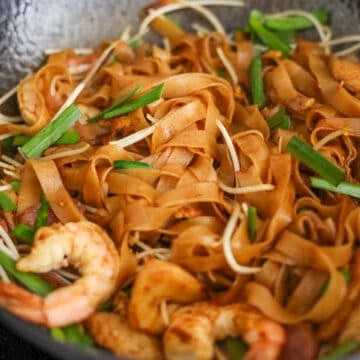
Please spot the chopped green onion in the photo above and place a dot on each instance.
(295, 22)
(8, 141)
(343, 187)
(269, 38)
(288, 36)
(235, 347)
(69, 138)
(75, 335)
(24, 233)
(20, 140)
(15, 185)
(120, 102)
(221, 72)
(128, 164)
(279, 120)
(6, 203)
(29, 280)
(256, 81)
(58, 334)
(42, 214)
(315, 161)
(252, 219)
(134, 43)
(48, 135)
(341, 351)
(145, 99)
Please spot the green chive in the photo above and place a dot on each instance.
(8, 141)
(20, 140)
(120, 102)
(295, 22)
(315, 161)
(343, 187)
(288, 36)
(145, 99)
(48, 135)
(6, 203)
(134, 43)
(279, 120)
(269, 38)
(24, 233)
(75, 335)
(42, 214)
(58, 334)
(235, 347)
(32, 282)
(128, 164)
(341, 351)
(15, 185)
(252, 220)
(69, 138)
(256, 82)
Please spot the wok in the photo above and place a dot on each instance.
(28, 27)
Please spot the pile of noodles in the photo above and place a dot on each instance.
(177, 210)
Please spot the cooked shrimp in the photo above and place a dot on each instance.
(83, 245)
(157, 282)
(113, 332)
(195, 328)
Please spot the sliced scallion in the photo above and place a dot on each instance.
(42, 214)
(341, 351)
(58, 334)
(48, 135)
(24, 233)
(269, 38)
(74, 334)
(342, 188)
(20, 140)
(236, 347)
(15, 185)
(315, 161)
(279, 120)
(252, 220)
(295, 22)
(69, 138)
(120, 102)
(128, 164)
(31, 281)
(6, 203)
(145, 99)
(256, 82)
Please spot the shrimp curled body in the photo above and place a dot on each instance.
(194, 329)
(83, 245)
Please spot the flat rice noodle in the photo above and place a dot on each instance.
(139, 217)
(333, 93)
(279, 79)
(198, 192)
(176, 121)
(212, 223)
(309, 255)
(319, 112)
(101, 98)
(73, 177)
(123, 184)
(59, 198)
(30, 190)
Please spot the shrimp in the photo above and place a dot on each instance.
(157, 282)
(113, 332)
(83, 245)
(194, 329)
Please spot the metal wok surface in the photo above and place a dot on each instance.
(28, 27)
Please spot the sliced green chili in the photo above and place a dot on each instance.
(48, 135)
(6, 203)
(120, 102)
(279, 120)
(145, 99)
(256, 82)
(315, 161)
(129, 164)
(269, 38)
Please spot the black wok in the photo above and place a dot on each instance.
(28, 27)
